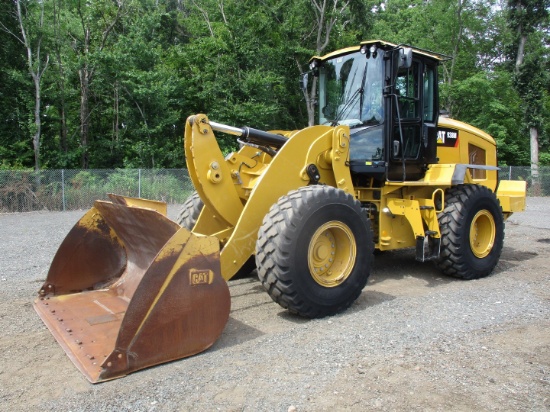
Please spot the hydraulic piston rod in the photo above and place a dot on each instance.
(251, 135)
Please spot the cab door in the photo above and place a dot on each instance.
(414, 121)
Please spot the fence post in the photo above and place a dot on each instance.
(510, 174)
(139, 182)
(63, 187)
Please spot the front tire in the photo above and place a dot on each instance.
(472, 232)
(314, 251)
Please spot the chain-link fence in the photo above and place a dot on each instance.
(24, 191)
(536, 185)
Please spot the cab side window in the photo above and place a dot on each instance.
(406, 86)
(429, 103)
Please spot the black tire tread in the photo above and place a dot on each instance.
(274, 241)
(190, 211)
(458, 200)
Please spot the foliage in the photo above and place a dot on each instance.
(123, 76)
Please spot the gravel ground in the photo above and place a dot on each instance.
(414, 340)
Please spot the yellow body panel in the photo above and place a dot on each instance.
(456, 124)
(209, 172)
(511, 194)
(405, 213)
(470, 137)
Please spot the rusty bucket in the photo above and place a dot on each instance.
(129, 288)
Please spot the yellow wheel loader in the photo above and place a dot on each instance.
(130, 288)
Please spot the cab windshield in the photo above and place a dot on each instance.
(350, 90)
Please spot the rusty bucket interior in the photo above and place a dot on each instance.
(129, 288)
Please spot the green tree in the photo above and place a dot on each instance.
(30, 33)
(97, 23)
(15, 88)
(528, 20)
(123, 76)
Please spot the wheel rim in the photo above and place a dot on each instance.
(482, 233)
(331, 254)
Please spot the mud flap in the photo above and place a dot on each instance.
(129, 288)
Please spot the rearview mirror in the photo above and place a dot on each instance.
(405, 57)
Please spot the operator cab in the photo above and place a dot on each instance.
(387, 94)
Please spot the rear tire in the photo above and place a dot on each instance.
(190, 211)
(314, 251)
(472, 232)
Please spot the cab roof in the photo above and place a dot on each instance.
(385, 46)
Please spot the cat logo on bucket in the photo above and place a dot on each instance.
(200, 277)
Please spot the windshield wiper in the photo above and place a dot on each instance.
(351, 101)
(347, 106)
